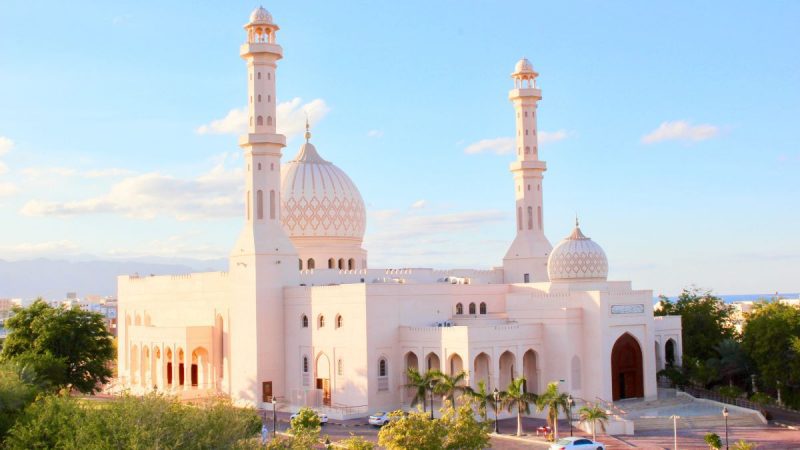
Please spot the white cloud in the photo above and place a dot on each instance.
(419, 204)
(680, 130)
(3, 168)
(212, 195)
(40, 248)
(7, 189)
(6, 145)
(291, 120)
(40, 172)
(505, 145)
(375, 133)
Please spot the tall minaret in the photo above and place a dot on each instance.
(526, 259)
(263, 260)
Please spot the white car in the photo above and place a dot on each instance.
(323, 418)
(577, 443)
(379, 419)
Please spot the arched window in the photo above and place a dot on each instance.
(382, 367)
(459, 308)
(519, 218)
(260, 204)
(530, 217)
(259, 75)
(527, 150)
(339, 321)
(269, 75)
(271, 204)
(339, 367)
(351, 264)
(260, 121)
(472, 308)
(259, 98)
(300, 264)
(331, 263)
(321, 321)
(259, 166)
(305, 364)
(269, 120)
(310, 264)
(341, 263)
(304, 321)
(483, 308)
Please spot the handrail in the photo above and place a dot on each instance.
(610, 405)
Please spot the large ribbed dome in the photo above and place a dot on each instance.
(319, 199)
(577, 258)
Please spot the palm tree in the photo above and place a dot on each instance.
(421, 383)
(593, 413)
(449, 385)
(515, 397)
(481, 398)
(553, 401)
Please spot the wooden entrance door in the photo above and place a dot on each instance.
(627, 372)
(324, 384)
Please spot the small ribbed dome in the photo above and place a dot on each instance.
(319, 199)
(577, 258)
(523, 66)
(260, 16)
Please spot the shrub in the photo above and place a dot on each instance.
(713, 440)
(730, 391)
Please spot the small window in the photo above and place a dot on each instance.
(339, 321)
(269, 75)
(260, 121)
(472, 308)
(526, 132)
(341, 263)
(305, 364)
(304, 321)
(526, 278)
(331, 263)
(269, 120)
(339, 367)
(527, 150)
(526, 113)
(483, 308)
(310, 264)
(351, 264)
(300, 263)
(259, 75)
(459, 308)
(259, 98)
(382, 369)
(321, 322)
(259, 166)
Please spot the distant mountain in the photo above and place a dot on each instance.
(52, 279)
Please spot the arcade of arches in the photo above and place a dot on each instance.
(169, 368)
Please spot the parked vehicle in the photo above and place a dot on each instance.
(323, 418)
(379, 419)
(577, 443)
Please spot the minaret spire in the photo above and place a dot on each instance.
(526, 259)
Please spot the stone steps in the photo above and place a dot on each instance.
(701, 422)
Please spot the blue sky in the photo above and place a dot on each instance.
(672, 129)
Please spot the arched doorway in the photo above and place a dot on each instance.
(530, 371)
(627, 373)
(482, 370)
(507, 369)
(412, 362)
(324, 378)
(658, 356)
(456, 364)
(669, 350)
(433, 361)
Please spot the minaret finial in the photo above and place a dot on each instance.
(308, 132)
(577, 224)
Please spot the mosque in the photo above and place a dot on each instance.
(300, 317)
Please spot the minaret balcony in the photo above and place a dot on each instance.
(525, 93)
(252, 48)
(525, 165)
(262, 138)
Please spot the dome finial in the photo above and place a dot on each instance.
(308, 132)
(577, 224)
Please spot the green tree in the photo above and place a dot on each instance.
(729, 361)
(481, 399)
(76, 337)
(515, 398)
(768, 337)
(15, 396)
(713, 440)
(448, 386)
(421, 383)
(705, 320)
(305, 428)
(554, 401)
(743, 445)
(593, 414)
(356, 443)
(463, 431)
(412, 431)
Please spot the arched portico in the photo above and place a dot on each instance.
(627, 371)
(456, 364)
(530, 371)
(432, 362)
(482, 369)
(669, 352)
(507, 369)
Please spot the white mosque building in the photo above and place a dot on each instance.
(300, 317)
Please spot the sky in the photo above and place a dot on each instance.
(670, 128)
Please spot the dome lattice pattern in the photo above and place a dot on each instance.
(577, 258)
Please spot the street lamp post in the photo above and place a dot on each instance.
(675, 429)
(569, 413)
(725, 413)
(430, 385)
(274, 416)
(496, 396)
